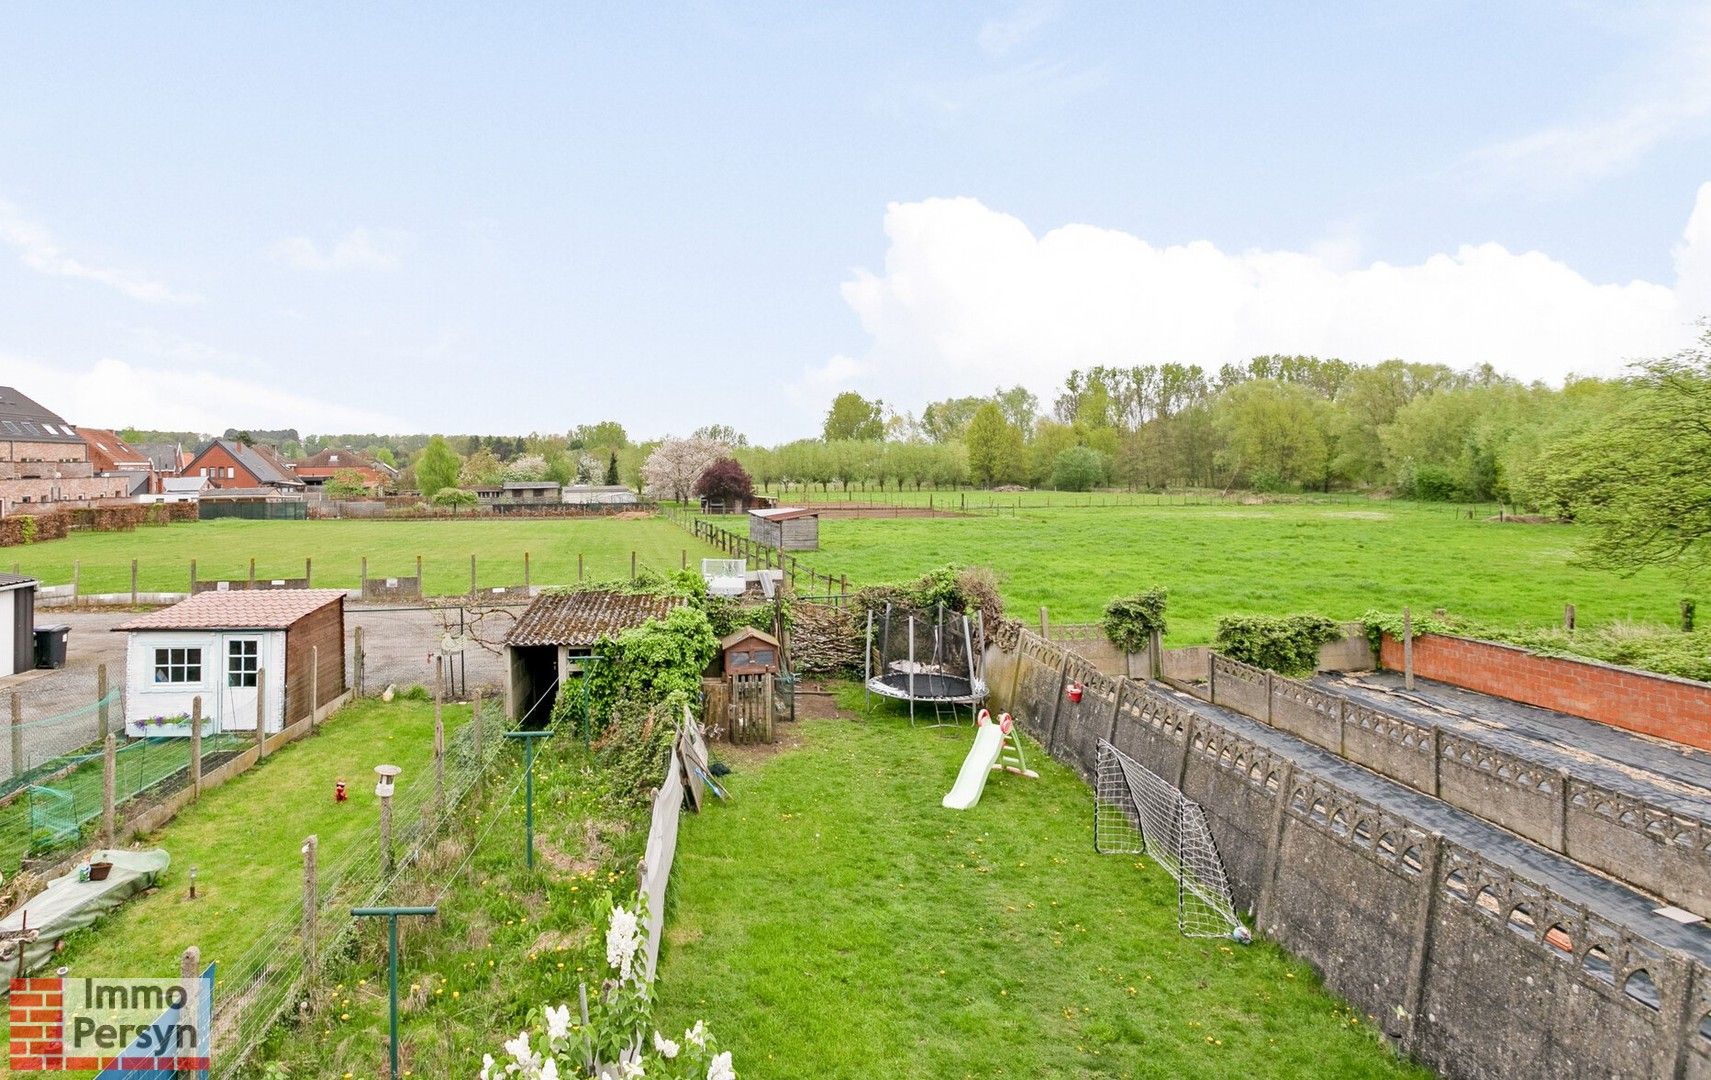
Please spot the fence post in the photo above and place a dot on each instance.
(260, 713)
(363, 579)
(1568, 617)
(195, 748)
(386, 836)
(103, 710)
(1045, 623)
(76, 580)
(527, 572)
(109, 781)
(685, 558)
(579, 566)
(1155, 645)
(844, 582)
(439, 751)
(252, 572)
(421, 586)
(632, 564)
(192, 577)
(133, 583)
(311, 901)
(357, 662)
(17, 734)
(472, 577)
(314, 685)
(1407, 648)
(309, 573)
(475, 740)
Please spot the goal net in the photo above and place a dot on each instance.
(1136, 812)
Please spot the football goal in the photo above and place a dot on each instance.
(1137, 812)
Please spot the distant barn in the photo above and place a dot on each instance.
(787, 528)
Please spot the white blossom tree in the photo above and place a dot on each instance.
(672, 469)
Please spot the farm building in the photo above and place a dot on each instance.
(230, 649)
(598, 495)
(17, 624)
(787, 528)
(558, 632)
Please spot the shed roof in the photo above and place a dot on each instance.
(583, 618)
(743, 634)
(267, 609)
(9, 582)
(784, 513)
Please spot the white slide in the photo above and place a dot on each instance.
(988, 744)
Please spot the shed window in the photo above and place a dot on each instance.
(243, 658)
(763, 657)
(178, 665)
(740, 658)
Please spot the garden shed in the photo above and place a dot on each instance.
(17, 623)
(750, 651)
(787, 528)
(551, 643)
(232, 650)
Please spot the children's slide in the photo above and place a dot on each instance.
(988, 744)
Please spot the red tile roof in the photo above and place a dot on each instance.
(269, 609)
(583, 618)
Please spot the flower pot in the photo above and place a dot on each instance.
(98, 871)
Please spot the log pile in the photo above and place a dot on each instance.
(826, 640)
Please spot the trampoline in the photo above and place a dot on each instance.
(926, 660)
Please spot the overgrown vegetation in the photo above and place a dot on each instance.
(956, 588)
(1286, 644)
(1131, 621)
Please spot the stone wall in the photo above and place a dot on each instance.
(1473, 969)
(1670, 708)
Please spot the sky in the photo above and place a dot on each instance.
(513, 218)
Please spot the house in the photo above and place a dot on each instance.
(787, 528)
(749, 651)
(17, 623)
(241, 653)
(551, 643)
(43, 460)
(228, 463)
(167, 458)
(598, 495)
(316, 471)
(111, 454)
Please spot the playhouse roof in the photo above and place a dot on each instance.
(583, 618)
(268, 609)
(745, 633)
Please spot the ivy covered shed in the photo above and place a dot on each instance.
(553, 640)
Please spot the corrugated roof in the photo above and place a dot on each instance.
(22, 418)
(582, 618)
(266, 609)
(784, 513)
(16, 581)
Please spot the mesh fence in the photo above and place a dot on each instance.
(1135, 812)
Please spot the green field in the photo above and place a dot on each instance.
(1329, 558)
(222, 549)
(834, 921)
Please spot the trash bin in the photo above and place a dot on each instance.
(50, 646)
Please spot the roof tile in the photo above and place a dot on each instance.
(582, 618)
(268, 609)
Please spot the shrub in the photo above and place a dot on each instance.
(1433, 483)
(636, 745)
(1287, 644)
(454, 497)
(1078, 468)
(651, 662)
(1131, 621)
(1268, 481)
(725, 481)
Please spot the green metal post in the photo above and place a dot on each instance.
(392, 914)
(529, 738)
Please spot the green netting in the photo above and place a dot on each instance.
(48, 744)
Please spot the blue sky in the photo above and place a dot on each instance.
(434, 218)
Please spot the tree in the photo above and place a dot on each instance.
(724, 433)
(612, 469)
(480, 469)
(454, 498)
(947, 421)
(994, 447)
(1079, 468)
(528, 469)
(674, 466)
(437, 467)
(1272, 433)
(725, 481)
(854, 417)
(346, 484)
(605, 435)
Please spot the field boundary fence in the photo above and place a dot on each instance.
(768, 558)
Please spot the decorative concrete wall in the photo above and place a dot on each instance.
(1472, 969)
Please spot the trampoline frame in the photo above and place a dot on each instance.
(877, 682)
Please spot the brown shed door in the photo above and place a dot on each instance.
(23, 629)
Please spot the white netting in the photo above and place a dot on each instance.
(1135, 812)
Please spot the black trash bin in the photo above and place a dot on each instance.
(50, 646)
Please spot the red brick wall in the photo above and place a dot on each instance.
(1675, 709)
(37, 1042)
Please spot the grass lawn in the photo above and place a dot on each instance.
(834, 921)
(1328, 558)
(223, 548)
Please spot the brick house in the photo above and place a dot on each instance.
(43, 460)
(228, 463)
(113, 456)
(316, 471)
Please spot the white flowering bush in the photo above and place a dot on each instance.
(619, 1029)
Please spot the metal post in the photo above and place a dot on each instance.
(439, 755)
(867, 664)
(529, 738)
(911, 670)
(391, 914)
(475, 739)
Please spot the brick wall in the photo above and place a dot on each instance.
(16, 496)
(23, 450)
(36, 1013)
(1669, 708)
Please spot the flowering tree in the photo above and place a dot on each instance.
(725, 481)
(528, 469)
(674, 466)
(619, 1029)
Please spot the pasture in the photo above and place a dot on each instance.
(838, 922)
(1325, 557)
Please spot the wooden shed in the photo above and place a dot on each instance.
(787, 528)
(245, 654)
(550, 645)
(749, 651)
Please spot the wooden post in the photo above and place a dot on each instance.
(364, 578)
(439, 754)
(103, 708)
(309, 573)
(1045, 624)
(527, 571)
(260, 713)
(386, 836)
(252, 573)
(76, 581)
(579, 566)
(311, 901)
(421, 586)
(314, 684)
(844, 583)
(472, 577)
(632, 564)
(685, 558)
(192, 577)
(475, 742)
(133, 583)
(196, 748)
(17, 734)
(1568, 617)
(1407, 648)
(109, 781)
(357, 661)
(766, 705)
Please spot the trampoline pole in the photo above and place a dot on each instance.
(867, 665)
(911, 671)
(968, 643)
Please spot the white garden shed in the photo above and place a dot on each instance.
(230, 649)
(17, 624)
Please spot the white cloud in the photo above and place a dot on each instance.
(1670, 99)
(1000, 36)
(818, 386)
(358, 249)
(970, 298)
(114, 393)
(40, 251)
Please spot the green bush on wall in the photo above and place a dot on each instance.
(1286, 644)
(1131, 621)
